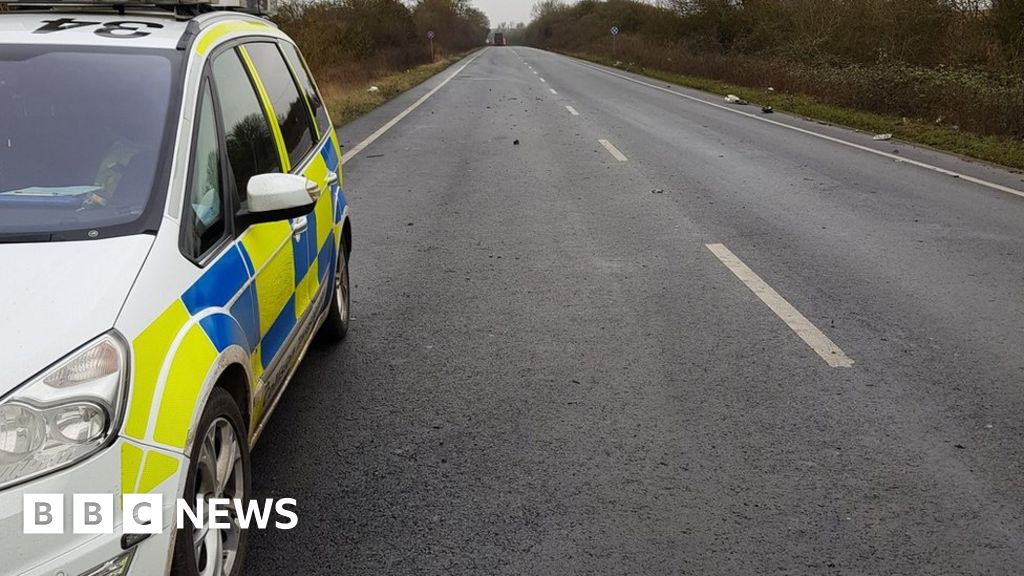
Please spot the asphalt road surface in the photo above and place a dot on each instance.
(660, 335)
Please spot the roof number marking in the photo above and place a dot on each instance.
(125, 29)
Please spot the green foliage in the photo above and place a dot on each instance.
(457, 25)
(351, 44)
(1008, 20)
(346, 37)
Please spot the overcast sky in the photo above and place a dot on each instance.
(505, 10)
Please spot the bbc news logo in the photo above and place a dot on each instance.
(144, 514)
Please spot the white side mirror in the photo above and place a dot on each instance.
(281, 192)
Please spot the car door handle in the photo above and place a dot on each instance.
(299, 226)
(332, 178)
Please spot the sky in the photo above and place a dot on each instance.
(505, 10)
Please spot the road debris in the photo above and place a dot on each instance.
(516, 143)
(658, 191)
(883, 137)
(767, 109)
(734, 99)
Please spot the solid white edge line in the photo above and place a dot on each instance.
(572, 111)
(816, 339)
(900, 159)
(613, 151)
(391, 124)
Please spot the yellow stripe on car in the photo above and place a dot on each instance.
(131, 462)
(324, 213)
(157, 468)
(192, 362)
(274, 263)
(219, 31)
(151, 348)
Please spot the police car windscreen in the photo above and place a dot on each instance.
(81, 135)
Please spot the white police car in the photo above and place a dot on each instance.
(172, 236)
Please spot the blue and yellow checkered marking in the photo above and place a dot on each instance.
(237, 304)
(219, 285)
(252, 296)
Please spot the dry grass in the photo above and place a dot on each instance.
(941, 73)
(347, 94)
(1004, 150)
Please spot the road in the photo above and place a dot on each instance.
(657, 336)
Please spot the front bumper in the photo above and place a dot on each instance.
(71, 554)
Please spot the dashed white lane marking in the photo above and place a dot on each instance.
(895, 157)
(613, 151)
(807, 332)
(534, 71)
(553, 91)
(543, 80)
(575, 113)
(391, 124)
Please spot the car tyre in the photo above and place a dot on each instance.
(219, 467)
(335, 326)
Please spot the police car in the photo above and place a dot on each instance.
(173, 235)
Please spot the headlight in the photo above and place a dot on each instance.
(64, 414)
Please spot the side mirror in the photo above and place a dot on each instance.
(275, 197)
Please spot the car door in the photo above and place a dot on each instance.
(252, 148)
(291, 112)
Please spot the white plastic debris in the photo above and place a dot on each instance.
(732, 98)
(373, 89)
(883, 137)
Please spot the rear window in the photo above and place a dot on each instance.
(81, 137)
(323, 123)
(289, 106)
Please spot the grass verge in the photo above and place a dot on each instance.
(348, 101)
(1002, 150)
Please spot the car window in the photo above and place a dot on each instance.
(289, 106)
(85, 155)
(316, 103)
(249, 138)
(205, 212)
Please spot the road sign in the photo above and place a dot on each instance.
(615, 30)
(430, 34)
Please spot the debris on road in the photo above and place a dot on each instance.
(883, 137)
(516, 143)
(767, 109)
(658, 191)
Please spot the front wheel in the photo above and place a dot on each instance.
(336, 324)
(219, 468)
